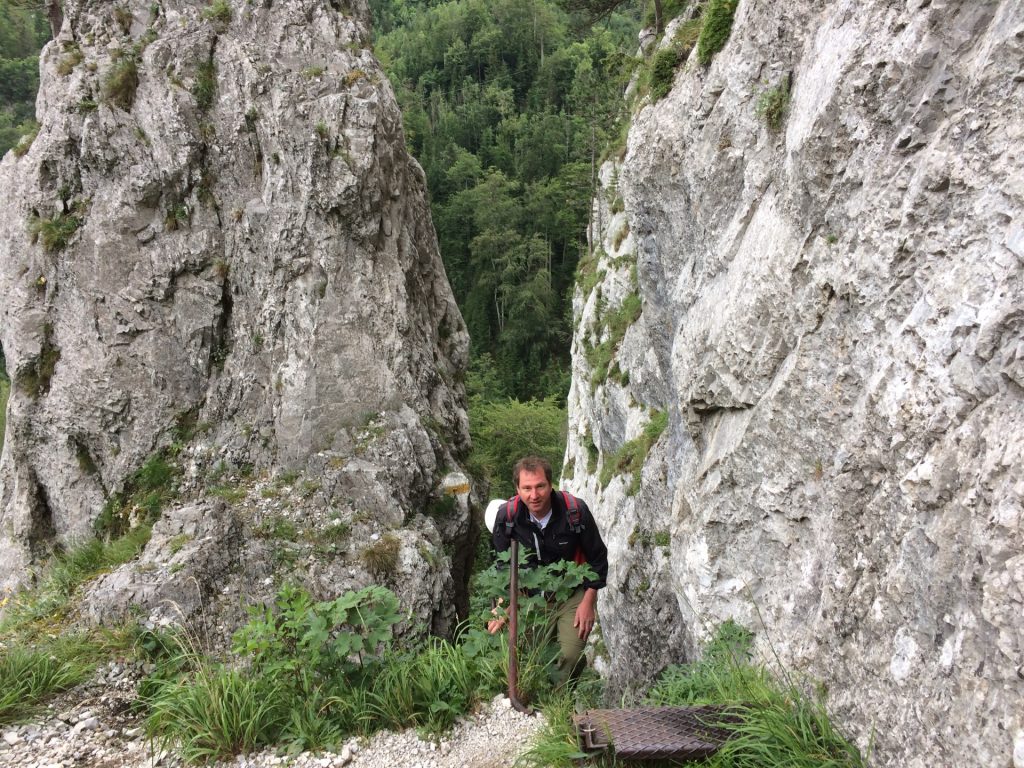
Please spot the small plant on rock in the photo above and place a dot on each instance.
(715, 28)
(772, 105)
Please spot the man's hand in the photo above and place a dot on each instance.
(586, 614)
(498, 622)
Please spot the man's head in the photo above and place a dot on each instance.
(532, 478)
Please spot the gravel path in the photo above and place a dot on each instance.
(95, 726)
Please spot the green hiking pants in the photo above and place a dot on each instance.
(571, 661)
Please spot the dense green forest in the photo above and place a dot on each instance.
(23, 32)
(508, 106)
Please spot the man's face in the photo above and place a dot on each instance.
(535, 491)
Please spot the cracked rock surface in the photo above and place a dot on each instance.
(218, 248)
(832, 323)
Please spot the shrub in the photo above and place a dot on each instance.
(322, 639)
(663, 72)
(121, 83)
(505, 431)
(715, 28)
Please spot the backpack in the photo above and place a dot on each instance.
(572, 513)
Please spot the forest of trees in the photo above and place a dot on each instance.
(508, 106)
(23, 32)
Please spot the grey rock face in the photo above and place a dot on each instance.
(832, 321)
(253, 253)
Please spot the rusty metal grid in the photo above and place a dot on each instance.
(653, 733)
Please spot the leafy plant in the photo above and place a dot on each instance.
(322, 638)
(715, 28)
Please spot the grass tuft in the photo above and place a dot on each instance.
(715, 28)
(55, 232)
(122, 82)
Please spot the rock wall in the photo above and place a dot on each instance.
(218, 247)
(831, 328)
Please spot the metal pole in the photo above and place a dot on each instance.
(513, 633)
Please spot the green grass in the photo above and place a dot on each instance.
(715, 28)
(121, 83)
(218, 11)
(34, 612)
(145, 493)
(54, 232)
(774, 723)
(630, 457)
(205, 86)
(216, 713)
(600, 356)
(29, 675)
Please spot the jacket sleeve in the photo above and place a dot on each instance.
(593, 549)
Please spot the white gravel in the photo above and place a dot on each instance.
(94, 726)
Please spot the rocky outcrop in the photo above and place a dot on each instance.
(218, 252)
(827, 316)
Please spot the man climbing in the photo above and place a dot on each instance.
(555, 526)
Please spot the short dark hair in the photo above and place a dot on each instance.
(531, 464)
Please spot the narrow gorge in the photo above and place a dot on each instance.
(797, 394)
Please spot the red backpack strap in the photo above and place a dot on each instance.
(572, 511)
(511, 508)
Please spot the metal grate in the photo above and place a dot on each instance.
(653, 733)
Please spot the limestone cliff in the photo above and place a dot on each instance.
(803, 327)
(218, 249)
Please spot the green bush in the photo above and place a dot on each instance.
(715, 28)
(505, 431)
(663, 72)
(324, 639)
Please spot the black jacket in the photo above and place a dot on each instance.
(557, 541)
